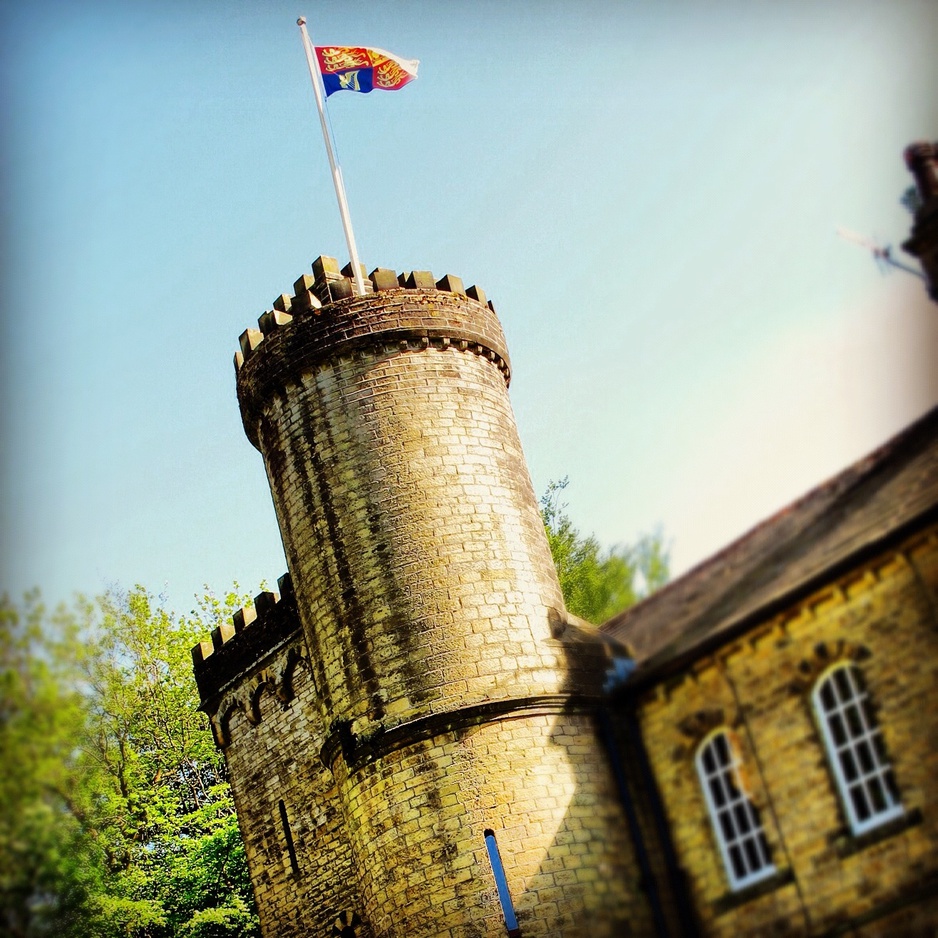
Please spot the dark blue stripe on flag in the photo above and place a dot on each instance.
(353, 79)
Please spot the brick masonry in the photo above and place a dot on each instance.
(304, 894)
(434, 686)
(418, 680)
(882, 618)
(539, 782)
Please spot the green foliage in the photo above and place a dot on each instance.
(227, 921)
(48, 863)
(118, 820)
(597, 584)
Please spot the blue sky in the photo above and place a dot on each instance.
(648, 191)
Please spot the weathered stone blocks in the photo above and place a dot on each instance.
(444, 689)
(880, 617)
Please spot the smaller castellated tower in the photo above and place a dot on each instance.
(419, 683)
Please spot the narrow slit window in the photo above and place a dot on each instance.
(855, 749)
(501, 884)
(736, 822)
(288, 836)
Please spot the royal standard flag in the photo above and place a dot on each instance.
(351, 68)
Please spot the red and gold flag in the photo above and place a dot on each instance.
(356, 68)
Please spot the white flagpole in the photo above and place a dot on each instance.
(316, 79)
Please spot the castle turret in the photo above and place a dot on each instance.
(407, 516)
(453, 693)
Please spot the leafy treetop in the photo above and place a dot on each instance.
(598, 584)
(118, 820)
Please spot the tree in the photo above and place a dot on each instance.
(49, 866)
(597, 584)
(121, 821)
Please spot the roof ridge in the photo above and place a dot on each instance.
(847, 480)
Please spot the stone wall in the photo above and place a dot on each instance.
(542, 785)
(883, 619)
(260, 697)
(291, 821)
(439, 689)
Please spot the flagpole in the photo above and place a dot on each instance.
(316, 79)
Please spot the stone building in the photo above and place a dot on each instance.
(784, 704)
(422, 741)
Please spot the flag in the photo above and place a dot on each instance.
(353, 68)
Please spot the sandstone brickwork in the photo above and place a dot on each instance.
(881, 618)
(540, 782)
(430, 685)
(418, 685)
(258, 691)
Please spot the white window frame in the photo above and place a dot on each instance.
(736, 811)
(860, 732)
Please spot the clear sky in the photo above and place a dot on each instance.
(648, 191)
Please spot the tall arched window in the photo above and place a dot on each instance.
(855, 749)
(736, 821)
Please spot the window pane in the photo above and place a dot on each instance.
(726, 825)
(754, 817)
(877, 795)
(764, 846)
(752, 855)
(708, 761)
(729, 779)
(891, 786)
(742, 817)
(849, 765)
(837, 729)
(716, 792)
(844, 690)
(860, 803)
(736, 859)
(722, 749)
(827, 696)
(854, 726)
(865, 755)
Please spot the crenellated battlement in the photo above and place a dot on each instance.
(323, 323)
(236, 647)
(313, 295)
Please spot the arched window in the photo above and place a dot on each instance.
(735, 819)
(855, 749)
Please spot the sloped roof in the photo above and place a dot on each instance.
(879, 499)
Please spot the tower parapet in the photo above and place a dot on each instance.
(221, 660)
(394, 325)
(240, 658)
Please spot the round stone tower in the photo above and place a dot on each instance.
(454, 689)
